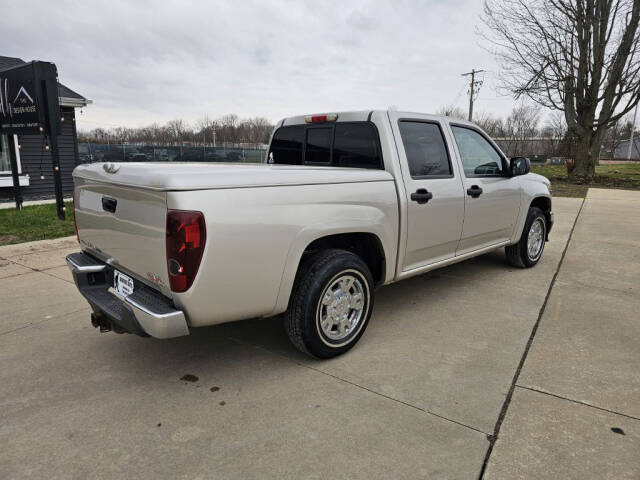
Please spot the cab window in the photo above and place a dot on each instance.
(343, 144)
(286, 145)
(356, 145)
(318, 149)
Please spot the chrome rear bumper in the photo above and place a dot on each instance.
(146, 312)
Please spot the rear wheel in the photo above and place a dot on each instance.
(527, 252)
(330, 304)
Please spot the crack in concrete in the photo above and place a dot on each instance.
(33, 252)
(54, 276)
(505, 406)
(424, 410)
(32, 270)
(362, 387)
(53, 317)
(579, 402)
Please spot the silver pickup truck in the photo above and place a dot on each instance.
(346, 202)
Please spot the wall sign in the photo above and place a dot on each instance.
(29, 99)
(29, 104)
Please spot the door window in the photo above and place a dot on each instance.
(479, 158)
(425, 149)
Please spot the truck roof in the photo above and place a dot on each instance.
(362, 116)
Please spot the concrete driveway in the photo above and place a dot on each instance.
(448, 361)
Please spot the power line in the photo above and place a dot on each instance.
(455, 102)
(474, 88)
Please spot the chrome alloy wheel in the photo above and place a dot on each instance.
(535, 240)
(342, 307)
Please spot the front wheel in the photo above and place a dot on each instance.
(330, 304)
(527, 252)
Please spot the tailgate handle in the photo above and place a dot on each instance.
(109, 204)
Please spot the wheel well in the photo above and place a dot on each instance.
(544, 204)
(366, 245)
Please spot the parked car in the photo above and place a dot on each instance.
(346, 203)
(137, 157)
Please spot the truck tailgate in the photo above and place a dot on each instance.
(124, 226)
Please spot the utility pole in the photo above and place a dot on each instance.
(474, 88)
(633, 127)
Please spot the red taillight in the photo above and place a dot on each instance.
(73, 204)
(186, 235)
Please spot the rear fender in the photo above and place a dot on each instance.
(317, 231)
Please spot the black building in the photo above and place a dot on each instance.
(34, 162)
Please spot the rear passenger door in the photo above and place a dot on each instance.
(435, 209)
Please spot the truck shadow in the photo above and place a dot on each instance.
(213, 349)
(392, 301)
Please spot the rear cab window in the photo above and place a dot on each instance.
(286, 145)
(342, 144)
(318, 146)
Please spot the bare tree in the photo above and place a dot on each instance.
(177, 130)
(494, 126)
(519, 128)
(555, 126)
(581, 57)
(452, 111)
(555, 133)
(612, 139)
(617, 134)
(490, 124)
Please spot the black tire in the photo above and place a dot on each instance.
(302, 320)
(518, 254)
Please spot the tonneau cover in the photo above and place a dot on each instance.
(171, 176)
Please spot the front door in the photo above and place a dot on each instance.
(435, 198)
(492, 200)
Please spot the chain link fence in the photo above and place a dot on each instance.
(94, 152)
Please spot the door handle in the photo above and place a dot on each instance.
(421, 196)
(474, 192)
(109, 204)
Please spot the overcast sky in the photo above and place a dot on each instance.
(143, 62)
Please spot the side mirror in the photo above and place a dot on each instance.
(519, 166)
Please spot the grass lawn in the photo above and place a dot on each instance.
(35, 222)
(607, 176)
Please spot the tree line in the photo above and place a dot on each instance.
(229, 129)
(526, 131)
